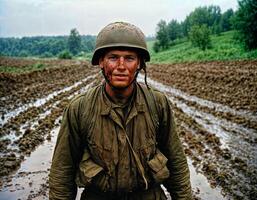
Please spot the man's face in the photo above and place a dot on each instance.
(120, 67)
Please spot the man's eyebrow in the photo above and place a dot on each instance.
(115, 54)
(112, 54)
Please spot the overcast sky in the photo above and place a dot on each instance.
(57, 17)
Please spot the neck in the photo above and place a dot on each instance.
(119, 96)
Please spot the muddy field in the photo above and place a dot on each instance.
(215, 105)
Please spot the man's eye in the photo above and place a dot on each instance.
(112, 58)
(130, 58)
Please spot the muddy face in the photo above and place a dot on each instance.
(120, 67)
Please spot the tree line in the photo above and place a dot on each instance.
(48, 46)
(207, 20)
(197, 27)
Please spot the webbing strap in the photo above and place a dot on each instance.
(152, 105)
(138, 162)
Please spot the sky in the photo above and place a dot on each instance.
(19, 18)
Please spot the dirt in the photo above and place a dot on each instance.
(214, 104)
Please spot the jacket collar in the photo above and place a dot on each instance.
(138, 102)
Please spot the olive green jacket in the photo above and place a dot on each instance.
(92, 143)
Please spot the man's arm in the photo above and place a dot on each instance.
(178, 184)
(66, 157)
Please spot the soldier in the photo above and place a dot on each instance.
(118, 140)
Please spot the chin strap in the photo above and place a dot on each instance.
(143, 66)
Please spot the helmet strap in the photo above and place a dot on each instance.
(143, 66)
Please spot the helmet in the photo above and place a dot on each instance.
(120, 34)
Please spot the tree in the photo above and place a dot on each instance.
(41, 45)
(198, 17)
(162, 35)
(174, 30)
(215, 19)
(226, 23)
(200, 36)
(211, 16)
(245, 22)
(74, 42)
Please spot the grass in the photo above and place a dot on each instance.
(224, 47)
(85, 56)
(19, 70)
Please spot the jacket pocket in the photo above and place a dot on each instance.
(158, 167)
(147, 150)
(87, 170)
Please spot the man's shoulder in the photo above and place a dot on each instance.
(86, 97)
(158, 95)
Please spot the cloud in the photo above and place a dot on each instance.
(58, 17)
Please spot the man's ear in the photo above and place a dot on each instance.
(101, 62)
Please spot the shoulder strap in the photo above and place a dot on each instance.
(138, 162)
(152, 104)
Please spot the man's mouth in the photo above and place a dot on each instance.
(120, 76)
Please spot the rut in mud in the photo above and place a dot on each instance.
(214, 103)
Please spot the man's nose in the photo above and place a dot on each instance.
(121, 62)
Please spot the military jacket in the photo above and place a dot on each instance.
(92, 143)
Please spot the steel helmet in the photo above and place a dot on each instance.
(120, 34)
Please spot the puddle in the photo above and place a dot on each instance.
(34, 172)
(34, 122)
(231, 134)
(41, 101)
(31, 178)
(233, 139)
(201, 186)
(202, 102)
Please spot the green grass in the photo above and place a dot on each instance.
(224, 47)
(19, 70)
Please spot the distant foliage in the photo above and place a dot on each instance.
(167, 34)
(74, 42)
(226, 20)
(210, 16)
(65, 55)
(162, 36)
(174, 30)
(42, 46)
(199, 35)
(245, 22)
(170, 33)
(156, 46)
(223, 48)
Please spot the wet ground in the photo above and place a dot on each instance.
(215, 105)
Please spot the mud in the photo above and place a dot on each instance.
(215, 108)
(214, 104)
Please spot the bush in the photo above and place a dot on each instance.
(46, 55)
(65, 55)
(156, 46)
(199, 35)
(23, 53)
(38, 66)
